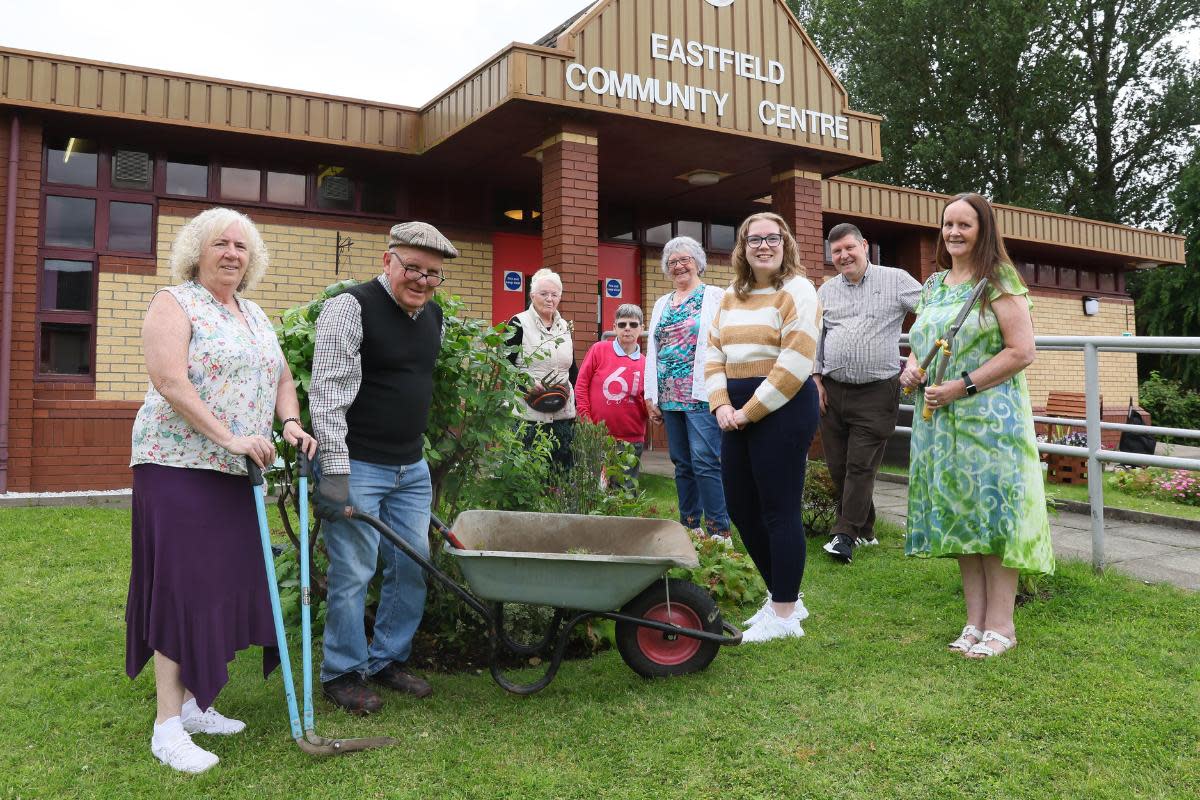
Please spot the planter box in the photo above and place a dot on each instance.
(1066, 469)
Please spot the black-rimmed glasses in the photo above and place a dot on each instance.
(414, 274)
(682, 261)
(770, 240)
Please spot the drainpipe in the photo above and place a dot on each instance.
(10, 247)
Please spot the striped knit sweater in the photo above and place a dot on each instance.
(771, 334)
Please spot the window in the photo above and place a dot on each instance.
(66, 349)
(187, 177)
(70, 222)
(132, 169)
(72, 161)
(722, 237)
(286, 188)
(241, 184)
(66, 285)
(335, 190)
(617, 223)
(129, 226)
(659, 234)
(690, 228)
(379, 197)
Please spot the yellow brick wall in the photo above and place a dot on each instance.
(301, 266)
(655, 284)
(1063, 370)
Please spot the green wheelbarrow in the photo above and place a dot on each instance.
(582, 567)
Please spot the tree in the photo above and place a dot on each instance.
(1077, 106)
(1168, 298)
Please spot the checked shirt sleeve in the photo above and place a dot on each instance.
(336, 377)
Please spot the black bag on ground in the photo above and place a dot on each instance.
(1135, 442)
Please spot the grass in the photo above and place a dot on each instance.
(1098, 701)
(1113, 497)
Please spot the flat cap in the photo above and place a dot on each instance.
(421, 234)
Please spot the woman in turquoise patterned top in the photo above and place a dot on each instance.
(975, 483)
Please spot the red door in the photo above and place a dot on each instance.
(514, 259)
(620, 279)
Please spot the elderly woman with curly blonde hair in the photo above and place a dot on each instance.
(197, 588)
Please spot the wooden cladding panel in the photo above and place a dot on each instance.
(68, 84)
(912, 207)
(465, 101)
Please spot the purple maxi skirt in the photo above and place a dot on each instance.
(197, 586)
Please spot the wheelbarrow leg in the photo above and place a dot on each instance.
(307, 740)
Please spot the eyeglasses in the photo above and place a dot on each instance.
(771, 240)
(682, 261)
(628, 324)
(548, 295)
(413, 274)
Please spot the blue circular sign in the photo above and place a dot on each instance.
(612, 287)
(512, 280)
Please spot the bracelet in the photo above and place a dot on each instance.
(292, 419)
(969, 384)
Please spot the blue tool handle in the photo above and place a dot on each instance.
(305, 590)
(285, 663)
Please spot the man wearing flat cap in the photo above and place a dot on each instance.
(372, 386)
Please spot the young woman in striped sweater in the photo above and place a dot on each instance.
(760, 357)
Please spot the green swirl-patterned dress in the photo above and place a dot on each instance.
(975, 484)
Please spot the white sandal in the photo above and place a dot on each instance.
(961, 644)
(981, 650)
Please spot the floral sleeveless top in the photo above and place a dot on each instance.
(235, 370)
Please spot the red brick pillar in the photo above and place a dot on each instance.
(570, 223)
(796, 196)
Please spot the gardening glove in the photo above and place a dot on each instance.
(332, 496)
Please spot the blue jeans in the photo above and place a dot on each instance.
(694, 444)
(400, 496)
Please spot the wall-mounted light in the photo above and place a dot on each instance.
(1091, 306)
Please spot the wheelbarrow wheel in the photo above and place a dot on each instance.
(654, 654)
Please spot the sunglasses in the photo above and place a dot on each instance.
(628, 324)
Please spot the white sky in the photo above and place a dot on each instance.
(403, 52)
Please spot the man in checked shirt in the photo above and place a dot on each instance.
(857, 373)
(372, 386)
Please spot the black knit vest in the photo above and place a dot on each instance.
(387, 420)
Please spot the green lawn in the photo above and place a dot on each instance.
(1113, 498)
(1098, 701)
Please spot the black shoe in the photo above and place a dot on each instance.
(840, 546)
(396, 679)
(350, 692)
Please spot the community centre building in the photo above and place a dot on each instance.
(633, 122)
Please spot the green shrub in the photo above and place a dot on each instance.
(820, 500)
(595, 482)
(1171, 405)
(728, 575)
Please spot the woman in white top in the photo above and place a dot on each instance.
(674, 386)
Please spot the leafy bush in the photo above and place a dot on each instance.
(820, 500)
(729, 576)
(1171, 405)
(595, 482)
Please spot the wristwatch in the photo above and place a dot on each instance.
(970, 385)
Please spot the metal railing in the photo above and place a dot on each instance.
(1094, 453)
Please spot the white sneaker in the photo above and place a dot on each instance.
(866, 542)
(800, 614)
(724, 541)
(772, 627)
(175, 748)
(212, 722)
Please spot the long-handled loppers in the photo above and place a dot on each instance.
(943, 345)
(307, 739)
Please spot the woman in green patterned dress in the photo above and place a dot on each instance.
(975, 490)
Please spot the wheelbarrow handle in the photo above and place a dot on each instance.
(445, 531)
